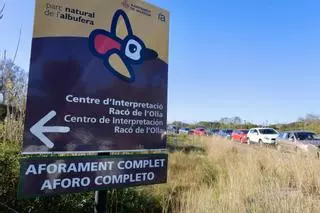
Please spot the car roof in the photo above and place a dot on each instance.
(263, 128)
(296, 131)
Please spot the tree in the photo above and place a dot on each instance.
(225, 120)
(1, 11)
(179, 124)
(13, 84)
(236, 120)
(311, 117)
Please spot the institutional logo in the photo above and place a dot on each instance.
(125, 4)
(119, 54)
(162, 17)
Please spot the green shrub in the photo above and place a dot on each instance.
(9, 167)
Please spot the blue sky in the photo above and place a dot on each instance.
(259, 60)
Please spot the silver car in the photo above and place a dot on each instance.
(299, 139)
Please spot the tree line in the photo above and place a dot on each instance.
(224, 123)
(310, 122)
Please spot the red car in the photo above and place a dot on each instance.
(240, 135)
(199, 131)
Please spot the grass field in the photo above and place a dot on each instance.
(206, 174)
(217, 175)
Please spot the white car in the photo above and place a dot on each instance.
(262, 135)
(184, 131)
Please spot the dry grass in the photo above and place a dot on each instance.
(11, 129)
(232, 177)
(208, 174)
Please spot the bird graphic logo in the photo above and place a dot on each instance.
(118, 54)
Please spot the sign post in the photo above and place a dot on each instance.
(100, 201)
(97, 84)
(101, 198)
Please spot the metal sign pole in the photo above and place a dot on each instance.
(100, 201)
(101, 197)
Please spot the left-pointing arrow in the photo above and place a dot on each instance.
(38, 129)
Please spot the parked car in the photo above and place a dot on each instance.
(199, 131)
(240, 135)
(299, 139)
(262, 135)
(212, 132)
(184, 131)
(172, 129)
(226, 133)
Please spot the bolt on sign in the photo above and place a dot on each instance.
(56, 175)
(98, 77)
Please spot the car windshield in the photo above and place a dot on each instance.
(267, 131)
(301, 136)
(245, 131)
